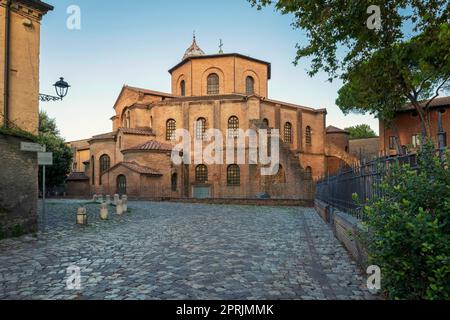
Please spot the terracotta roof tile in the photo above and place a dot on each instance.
(138, 131)
(109, 135)
(140, 169)
(438, 102)
(151, 145)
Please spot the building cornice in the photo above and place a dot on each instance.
(29, 9)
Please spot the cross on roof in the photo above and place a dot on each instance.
(221, 46)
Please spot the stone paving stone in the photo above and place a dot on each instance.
(181, 251)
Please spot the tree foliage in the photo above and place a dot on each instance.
(409, 229)
(62, 154)
(361, 131)
(406, 60)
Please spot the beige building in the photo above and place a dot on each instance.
(20, 31)
(20, 22)
(225, 91)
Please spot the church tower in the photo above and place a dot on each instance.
(199, 74)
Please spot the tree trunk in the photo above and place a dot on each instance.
(423, 116)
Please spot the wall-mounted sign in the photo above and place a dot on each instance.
(31, 147)
(45, 158)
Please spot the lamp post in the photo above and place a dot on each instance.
(61, 88)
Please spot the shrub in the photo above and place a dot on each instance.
(409, 229)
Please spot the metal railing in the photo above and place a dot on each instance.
(361, 180)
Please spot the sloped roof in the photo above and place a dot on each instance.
(151, 145)
(333, 129)
(437, 102)
(77, 176)
(194, 50)
(144, 91)
(138, 131)
(151, 92)
(222, 55)
(109, 135)
(79, 144)
(134, 166)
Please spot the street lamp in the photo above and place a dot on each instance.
(61, 88)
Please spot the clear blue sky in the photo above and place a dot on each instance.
(136, 42)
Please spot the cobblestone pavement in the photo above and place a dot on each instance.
(181, 251)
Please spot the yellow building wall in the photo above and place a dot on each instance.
(232, 72)
(24, 66)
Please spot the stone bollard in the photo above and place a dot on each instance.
(125, 203)
(108, 199)
(104, 211)
(119, 207)
(82, 216)
(116, 199)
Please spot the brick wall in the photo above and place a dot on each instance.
(367, 149)
(18, 188)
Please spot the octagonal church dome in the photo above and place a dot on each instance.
(194, 50)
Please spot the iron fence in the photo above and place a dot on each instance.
(362, 180)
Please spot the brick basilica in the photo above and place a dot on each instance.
(225, 91)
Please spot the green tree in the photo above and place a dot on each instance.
(408, 229)
(62, 155)
(406, 60)
(361, 131)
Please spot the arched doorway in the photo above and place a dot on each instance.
(121, 185)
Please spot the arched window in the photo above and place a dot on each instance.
(120, 142)
(92, 165)
(288, 132)
(249, 86)
(174, 182)
(233, 127)
(183, 88)
(105, 163)
(266, 122)
(201, 173)
(121, 185)
(200, 129)
(308, 173)
(308, 136)
(233, 175)
(171, 127)
(213, 84)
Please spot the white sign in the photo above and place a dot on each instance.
(31, 147)
(45, 158)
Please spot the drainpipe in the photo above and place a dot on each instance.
(7, 62)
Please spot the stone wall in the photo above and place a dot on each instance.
(18, 188)
(365, 149)
(78, 189)
(346, 228)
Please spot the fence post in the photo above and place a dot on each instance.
(441, 137)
